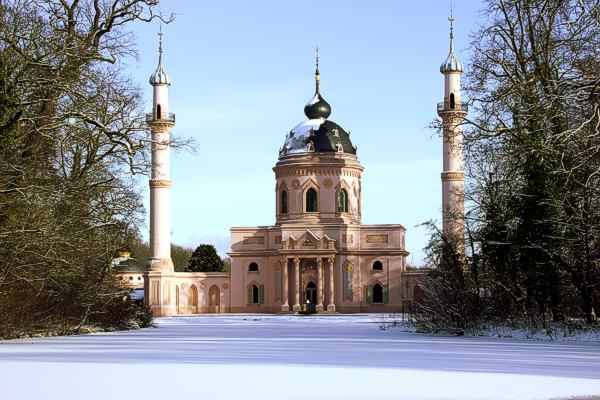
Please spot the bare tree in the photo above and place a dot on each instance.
(72, 133)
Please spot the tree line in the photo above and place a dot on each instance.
(532, 166)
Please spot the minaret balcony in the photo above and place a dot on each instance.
(446, 106)
(152, 117)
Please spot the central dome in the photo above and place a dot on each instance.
(317, 134)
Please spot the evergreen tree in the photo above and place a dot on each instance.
(205, 259)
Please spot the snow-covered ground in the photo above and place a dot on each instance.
(291, 357)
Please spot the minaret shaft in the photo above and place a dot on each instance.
(161, 123)
(452, 111)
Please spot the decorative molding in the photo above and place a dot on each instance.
(160, 183)
(225, 285)
(347, 238)
(453, 176)
(307, 171)
(377, 238)
(161, 126)
(254, 240)
(328, 183)
(295, 183)
(155, 291)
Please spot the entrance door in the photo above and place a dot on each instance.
(310, 297)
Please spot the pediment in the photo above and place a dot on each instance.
(309, 240)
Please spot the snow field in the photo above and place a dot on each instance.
(291, 357)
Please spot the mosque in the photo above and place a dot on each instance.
(318, 256)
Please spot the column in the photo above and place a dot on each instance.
(296, 306)
(320, 284)
(285, 307)
(331, 305)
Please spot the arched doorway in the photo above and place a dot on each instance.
(193, 299)
(310, 297)
(377, 294)
(214, 299)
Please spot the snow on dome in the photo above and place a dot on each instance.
(297, 140)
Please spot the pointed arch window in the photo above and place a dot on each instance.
(452, 101)
(342, 205)
(284, 202)
(158, 111)
(311, 200)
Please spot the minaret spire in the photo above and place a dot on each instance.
(451, 19)
(317, 73)
(160, 77)
(160, 35)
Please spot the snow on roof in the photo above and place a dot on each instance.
(137, 294)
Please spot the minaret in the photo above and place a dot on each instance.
(452, 111)
(157, 290)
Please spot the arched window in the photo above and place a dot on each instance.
(342, 205)
(158, 112)
(253, 267)
(452, 102)
(311, 200)
(377, 293)
(284, 202)
(378, 266)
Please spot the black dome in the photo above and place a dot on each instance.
(317, 108)
(319, 136)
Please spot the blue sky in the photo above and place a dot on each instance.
(242, 71)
